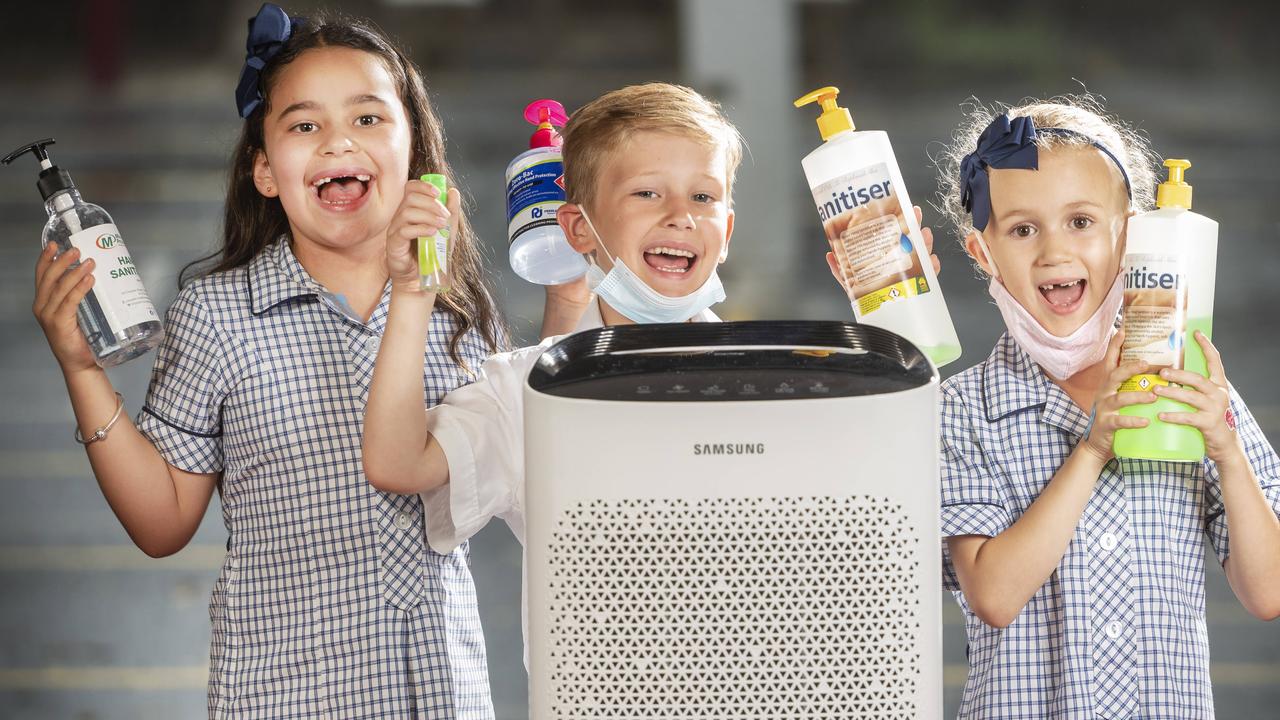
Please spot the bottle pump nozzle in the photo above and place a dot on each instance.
(37, 147)
(1174, 192)
(52, 178)
(546, 114)
(834, 119)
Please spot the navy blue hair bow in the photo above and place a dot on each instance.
(1007, 144)
(268, 31)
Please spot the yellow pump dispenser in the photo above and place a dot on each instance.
(870, 228)
(834, 119)
(1174, 192)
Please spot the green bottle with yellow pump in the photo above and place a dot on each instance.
(1169, 268)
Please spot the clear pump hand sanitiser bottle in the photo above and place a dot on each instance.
(116, 316)
(539, 252)
(1170, 264)
(872, 229)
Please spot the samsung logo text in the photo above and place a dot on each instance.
(728, 448)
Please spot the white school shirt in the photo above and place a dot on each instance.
(480, 428)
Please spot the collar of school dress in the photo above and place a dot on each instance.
(1012, 382)
(275, 275)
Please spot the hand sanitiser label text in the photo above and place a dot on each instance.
(534, 195)
(863, 219)
(115, 278)
(1155, 317)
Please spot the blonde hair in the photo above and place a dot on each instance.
(1082, 114)
(603, 126)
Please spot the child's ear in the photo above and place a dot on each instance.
(976, 247)
(575, 228)
(262, 178)
(728, 234)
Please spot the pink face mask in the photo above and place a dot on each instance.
(1060, 357)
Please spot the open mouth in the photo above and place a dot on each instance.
(1064, 295)
(670, 260)
(340, 192)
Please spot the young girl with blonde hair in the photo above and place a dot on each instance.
(1081, 577)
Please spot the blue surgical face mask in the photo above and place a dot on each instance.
(631, 296)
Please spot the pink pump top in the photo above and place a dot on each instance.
(546, 114)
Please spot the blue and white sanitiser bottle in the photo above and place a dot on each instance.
(539, 252)
(116, 316)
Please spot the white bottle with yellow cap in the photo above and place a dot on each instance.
(1169, 267)
(873, 232)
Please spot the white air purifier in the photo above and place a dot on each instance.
(733, 520)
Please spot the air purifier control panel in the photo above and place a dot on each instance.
(756, 386)
(727, 362)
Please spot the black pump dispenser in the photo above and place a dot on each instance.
(53, 179)
(115, 315)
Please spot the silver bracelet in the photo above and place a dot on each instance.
(101, 433)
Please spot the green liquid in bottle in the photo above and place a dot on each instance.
(940, 355)
(1160, 440)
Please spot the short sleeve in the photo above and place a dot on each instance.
(973, 503)
(1266, 467)
(480, 428)
(182, 415)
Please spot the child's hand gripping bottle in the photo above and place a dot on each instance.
(539, 252)
(873, 232)
(116, 316)
(1169, 266)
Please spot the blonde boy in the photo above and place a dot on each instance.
(649, 171)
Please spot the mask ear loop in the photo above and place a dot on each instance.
(613, 259)
(995, 271)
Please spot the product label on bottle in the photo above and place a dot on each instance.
(1155, 316)
(863, 219)
(433, 259)
(115, 278)
(534, 193)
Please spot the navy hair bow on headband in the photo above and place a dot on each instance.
(1007, 144)
(268, 32)
(1002, 145)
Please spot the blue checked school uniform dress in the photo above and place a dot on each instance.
(329, 604)
(1118, 631)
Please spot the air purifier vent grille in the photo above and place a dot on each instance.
(803, 607)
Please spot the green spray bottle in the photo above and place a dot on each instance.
(434, 252)
(1170, 263)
